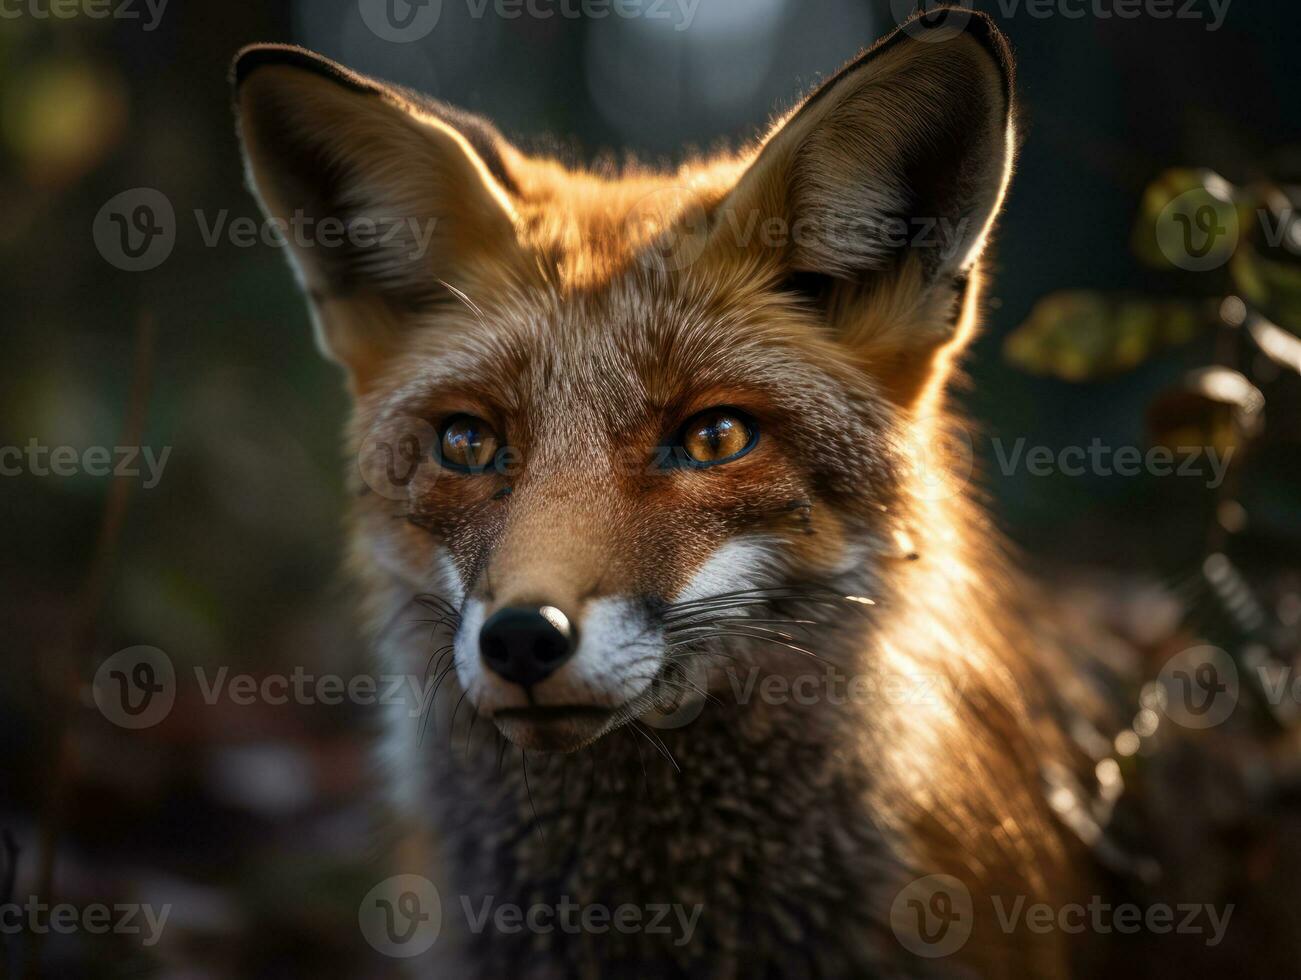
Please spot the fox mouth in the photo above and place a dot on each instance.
(555, 728)
(555, 712)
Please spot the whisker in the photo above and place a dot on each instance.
(645, 778)
(451, 726)
(524, 761)
(735, 623)
(657, 742)
(443, 650)
(434, 599)
(429, 708)
(676, 614)
(474, 716)
(751, 636)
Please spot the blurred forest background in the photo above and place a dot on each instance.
(249, 819)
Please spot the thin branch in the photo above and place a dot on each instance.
(71, 663)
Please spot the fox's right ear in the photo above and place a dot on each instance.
(389, 203)
(886, 182)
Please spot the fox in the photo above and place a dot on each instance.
(642, 453)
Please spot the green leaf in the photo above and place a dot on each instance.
(1081, 335)
(1191, 220)
(1273, 285)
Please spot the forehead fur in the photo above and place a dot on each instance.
(641, 345)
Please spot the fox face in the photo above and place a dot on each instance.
(645, 415)
(586, 487)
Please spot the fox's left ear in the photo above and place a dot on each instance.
(886, 182)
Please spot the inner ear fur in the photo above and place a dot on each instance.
(885, 183)
(388, 201)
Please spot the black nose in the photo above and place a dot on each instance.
(526, 644)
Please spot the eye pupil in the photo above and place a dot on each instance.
(468, 443)
(717, 436)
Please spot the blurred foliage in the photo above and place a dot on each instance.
(1078, 335)
(1214, 408)
(1247, 240)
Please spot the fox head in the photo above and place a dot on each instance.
(610, 417)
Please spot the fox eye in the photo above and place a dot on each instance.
(718, 435)
(467, 444)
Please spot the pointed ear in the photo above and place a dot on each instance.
(388, 202)
(885, 183)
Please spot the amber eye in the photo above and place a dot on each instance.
(467, 444)
(719, 435)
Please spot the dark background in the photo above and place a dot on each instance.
(249, 820)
